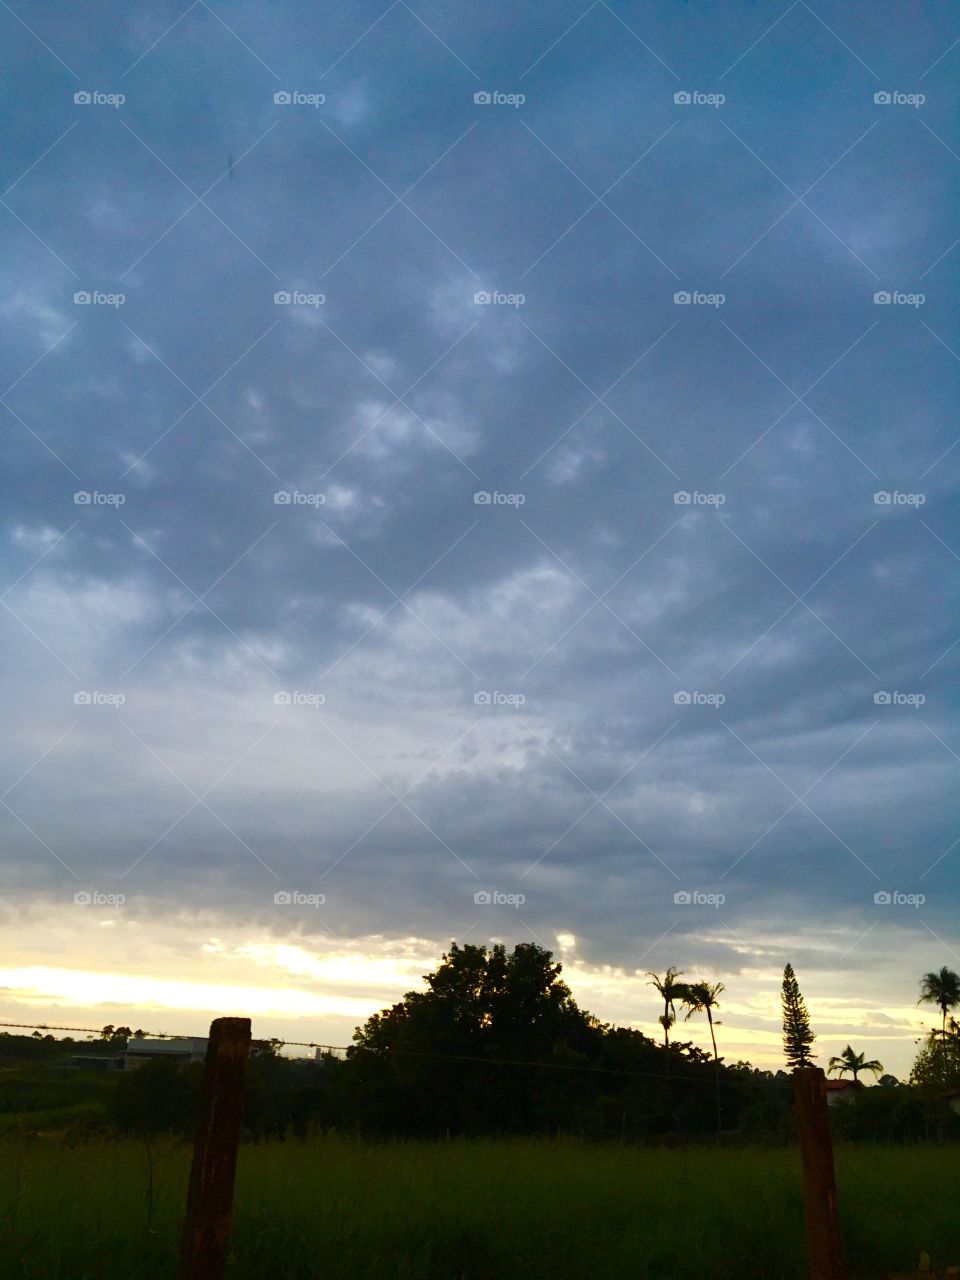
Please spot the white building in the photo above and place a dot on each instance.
(187, 1049)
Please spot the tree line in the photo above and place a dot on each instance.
(496, 1043)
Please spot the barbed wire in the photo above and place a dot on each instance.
(166, 1035)
(416, 1053)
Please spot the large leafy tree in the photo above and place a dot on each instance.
(854, 1063)
(483, 1000)
(455, 1055)
(942, 989)
(937, 1064)
(798, 1038)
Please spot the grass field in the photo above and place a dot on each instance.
(337, 1209)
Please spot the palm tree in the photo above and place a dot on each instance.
(942, 989)
(670, 990)
(854, 1063)
(701, 997)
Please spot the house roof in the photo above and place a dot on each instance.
(833, 1086)
(185, 1045)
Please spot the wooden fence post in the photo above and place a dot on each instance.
(210, 1194)
(824, 1246)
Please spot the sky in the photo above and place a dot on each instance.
(478, 473)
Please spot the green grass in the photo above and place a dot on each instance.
(337, 1209)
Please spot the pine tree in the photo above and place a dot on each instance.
(797, 1036)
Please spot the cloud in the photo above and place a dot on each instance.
(385, 606)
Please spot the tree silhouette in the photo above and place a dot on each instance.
(854, 1063)
(941, 989)
(797, 1035)
(937, 1064)
(701, 997)
(670, 991)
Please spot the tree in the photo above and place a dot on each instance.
(117, 1036)
(937, 1064)
(430, 1063)
(797, 1035)
(271, 1048)
(670, 991)
(701, 997)
(942, 989)
(854, 1063)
